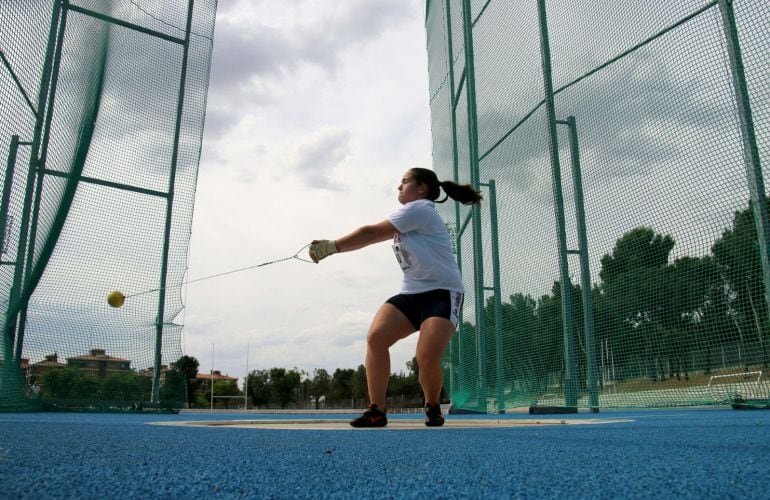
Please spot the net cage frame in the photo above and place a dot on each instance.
(474, 362)
(54, 88)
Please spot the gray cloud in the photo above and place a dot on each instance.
(266, 51)
(363, 21)
(632, 116)
(218, 121)
(239, 55)
(317, 158)
(259, 51)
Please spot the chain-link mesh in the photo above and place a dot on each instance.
(646, 117)
(103, 106)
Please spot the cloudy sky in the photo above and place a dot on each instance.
(315, 110)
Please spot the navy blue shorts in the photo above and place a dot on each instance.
(418, 307)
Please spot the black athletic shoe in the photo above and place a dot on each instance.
(433, 416)
(371, 418)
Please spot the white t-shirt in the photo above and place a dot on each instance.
(424, 250)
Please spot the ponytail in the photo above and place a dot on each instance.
(464, 193)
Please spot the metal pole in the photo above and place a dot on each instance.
(40, 172)
(169, 208)
(497, 290)
(14, 307)
(10, 168)
(478, 255)
(246, 383)
(570, 382)
(750, 149)
(456, 342)
(212, 377)
(585, 271)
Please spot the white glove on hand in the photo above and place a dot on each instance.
(320, 249)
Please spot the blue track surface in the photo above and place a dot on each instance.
(660, 454)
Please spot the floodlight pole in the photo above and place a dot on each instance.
(570, 382)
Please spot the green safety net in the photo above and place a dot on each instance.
(619, 258)
(103, 106)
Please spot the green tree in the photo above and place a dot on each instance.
(405, 387)
(61, 383)
(188, 367)
(258, 386)
(126, 386)
(633, 289)
(550, 336)
(284, 384)
(321, 382)
(640, 248)
(226, 388)
(342, 385)
(360, 387)
(174, 387)
(519, 332)
(693, 291)
(737, 254)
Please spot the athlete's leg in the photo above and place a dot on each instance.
(389, 326)
(435, 334)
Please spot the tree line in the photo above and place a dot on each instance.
(654, 318)
(268, 388)
(294, 388)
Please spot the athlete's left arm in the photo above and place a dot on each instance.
(366, 235)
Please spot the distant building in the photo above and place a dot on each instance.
(50, 362)
(149, 371)
(98, 363)
(216, 375)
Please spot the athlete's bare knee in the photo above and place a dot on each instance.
(428, 360)
(378, 340)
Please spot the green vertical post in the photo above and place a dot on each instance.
(10, 332)
(456, 342)
(497, 290)
(40, 170)
(478, 255)
(750, 149)
(585, 271)
(169, 209)
(570, 381)
(10, 168)
(7, 341)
